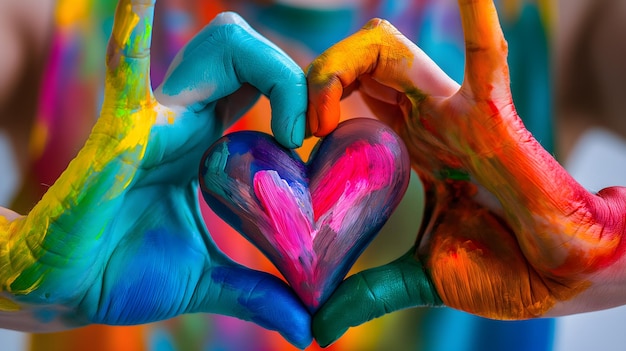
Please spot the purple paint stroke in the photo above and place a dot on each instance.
(312, 221)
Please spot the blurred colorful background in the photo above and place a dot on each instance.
(68, 96)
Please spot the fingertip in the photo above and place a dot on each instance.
(324, 104)
(128, 54)
(289, 133)
(348, 306)
(327, 116)
(229, 17)
(325, 93)
(371, 294)
(298, 131)
(263, 299)
(132, 29)
(293, 332)
(325, 334)
(486, 49)
(286, 90)
(373, 23)
(281, 310)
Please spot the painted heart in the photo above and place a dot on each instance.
(314, 219)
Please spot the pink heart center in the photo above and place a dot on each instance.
(313, 220)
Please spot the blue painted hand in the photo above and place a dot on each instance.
(119, 238)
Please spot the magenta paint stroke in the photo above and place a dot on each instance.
(312, 220)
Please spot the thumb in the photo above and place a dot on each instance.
(127, 82)
(486, 50)
(254, 296)
(374, 293)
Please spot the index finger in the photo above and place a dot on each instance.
(486, 49)
(128, 55)
(380, 51)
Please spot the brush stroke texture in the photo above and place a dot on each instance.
(311, 220)
(508, 233)
(119, 238)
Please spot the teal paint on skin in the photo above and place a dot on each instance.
(241, 56)
(119, 239)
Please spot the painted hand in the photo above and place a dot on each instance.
(508, 234)
(119, 238)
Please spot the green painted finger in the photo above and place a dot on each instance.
(373, 293)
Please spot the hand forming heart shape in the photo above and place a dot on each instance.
(311, 220)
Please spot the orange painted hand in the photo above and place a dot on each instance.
(119, 238)
(508, 233)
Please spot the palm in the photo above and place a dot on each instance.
(119, 238)
(158, 234)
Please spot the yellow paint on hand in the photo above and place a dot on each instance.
(7, 305)
(103, 169)
(129, 20)
(15, 251)
(373, 50)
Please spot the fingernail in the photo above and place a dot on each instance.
(297, 133)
